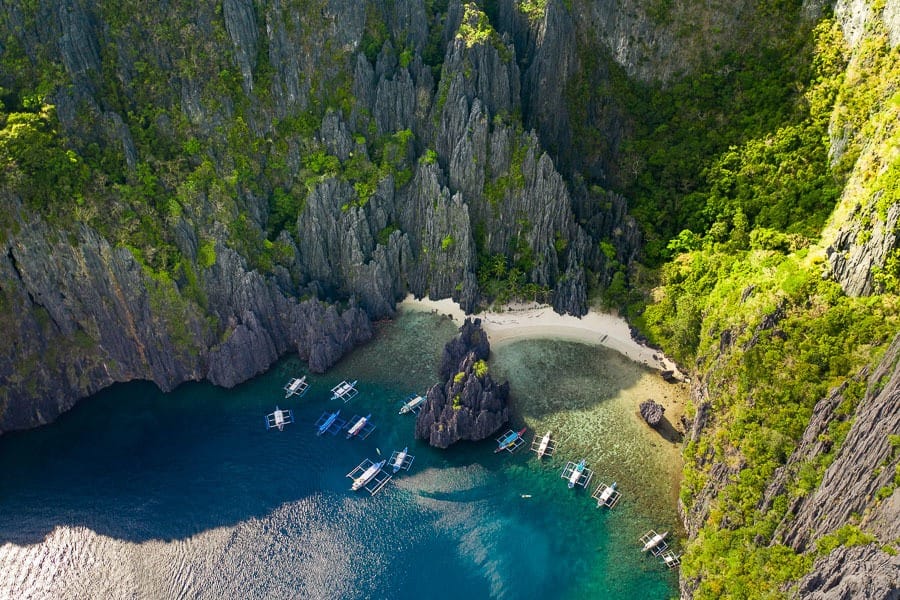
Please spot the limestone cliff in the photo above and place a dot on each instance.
(285, 156)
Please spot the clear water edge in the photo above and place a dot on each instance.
(138, 493)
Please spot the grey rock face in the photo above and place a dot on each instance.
(652, 412)
(865, 462)
(853, 257)
(857, 572)
(240, 21)
(468, 406)
(85, 314)
(471, 338)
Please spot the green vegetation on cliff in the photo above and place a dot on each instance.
(743, 301)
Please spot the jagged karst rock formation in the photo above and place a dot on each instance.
(433, 171)
(652, 412)
(470, 405)
(267, 162)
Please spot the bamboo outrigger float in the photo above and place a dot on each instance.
(296, 387)
(330, 423)
(344, 391)
(606, 495)
(544, 446)
(279, 419)
(401, 460)
(577, 474)
(510, 441)
(369, 475)
(412, 404)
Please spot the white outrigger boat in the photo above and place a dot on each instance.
(401, 460)
(577, 474)
(654, 542)
(413, 404)
(544, 446)
(368, 475)
(279, 419)
(330, 423)
(344, 391)
(296, 387)
(606, 495)
(361, 427)
(670, 559)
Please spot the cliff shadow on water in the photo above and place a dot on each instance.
(137, 464)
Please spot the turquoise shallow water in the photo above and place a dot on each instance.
(136, 493)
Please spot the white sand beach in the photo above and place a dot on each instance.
(530, 321)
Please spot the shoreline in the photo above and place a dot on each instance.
(539, 321)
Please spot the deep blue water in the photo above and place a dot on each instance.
(136, 493)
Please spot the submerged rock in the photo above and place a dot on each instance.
(470, 405)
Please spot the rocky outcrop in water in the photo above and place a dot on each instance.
(652, 412)
(470, 405)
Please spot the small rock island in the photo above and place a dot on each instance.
(469, 405)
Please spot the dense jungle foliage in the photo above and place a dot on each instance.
(728, 170)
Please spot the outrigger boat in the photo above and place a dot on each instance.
(671, 559)
(344, 391)
(361, 427)
(279, 419)
(369, 475)
(606, 495)
(654, 542)
(296, 387)
(402, 460)
(543, 447)
(577, 474)
(412, 404)
(330, 423)
(510, 441)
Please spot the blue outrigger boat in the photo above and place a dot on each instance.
(330, 423)
(510, 441)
